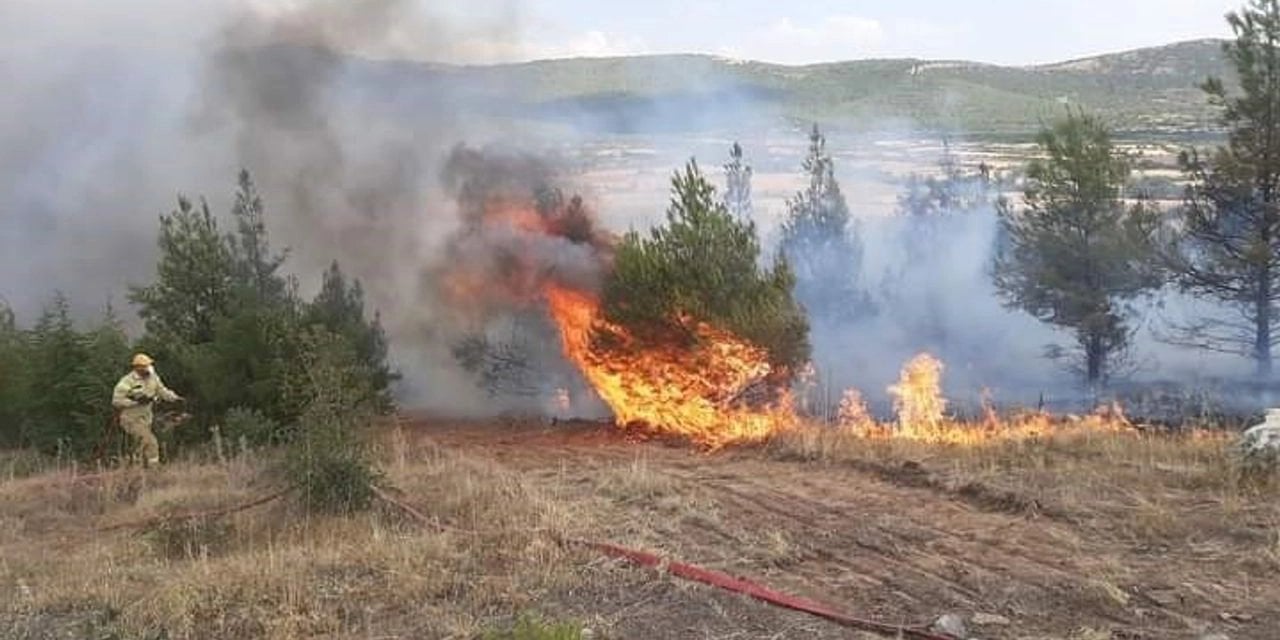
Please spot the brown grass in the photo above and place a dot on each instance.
(1139, 488)
(274, 572)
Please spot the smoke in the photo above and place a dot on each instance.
(109, 111)
(98, 133)
(519, 234)
(930, 278)
(930, 282)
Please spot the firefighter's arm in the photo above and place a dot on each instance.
(165, 393)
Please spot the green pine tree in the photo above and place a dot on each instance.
(1077, 255)
(14, 366)
(194, 278)
(705, 263)
(819, 239)
(340, 308)
(1229, 246)
(58, 354)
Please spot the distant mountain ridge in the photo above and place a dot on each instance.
(1153, 90)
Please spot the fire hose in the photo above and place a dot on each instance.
(709, 577)
(758, 591)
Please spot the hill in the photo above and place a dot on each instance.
(1152, 90)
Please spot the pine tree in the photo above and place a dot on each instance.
(57, 355)
(106, 351)
(194, 278)
(737, 193)
(1229, 248)
(819, 241)
(13, 379)
(1077, 254)
(340, 308)
(704, 262)
(256, 265)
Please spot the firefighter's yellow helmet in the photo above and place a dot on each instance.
(142, 360)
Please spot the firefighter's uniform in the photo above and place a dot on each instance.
(133, 397)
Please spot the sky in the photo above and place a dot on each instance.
(1013, 32)
(803, 31)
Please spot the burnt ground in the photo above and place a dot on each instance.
(881, 540)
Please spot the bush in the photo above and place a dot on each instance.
(532, 628)
(1258, 466)
(338, 484)
(329, 461)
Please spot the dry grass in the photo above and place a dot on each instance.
(793, 512)
(1139, 488)
(275, 572)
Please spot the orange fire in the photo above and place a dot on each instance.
(917, 398)
(670, 389)
(921, 414)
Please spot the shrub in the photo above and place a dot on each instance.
(529, 627)
(329, 461)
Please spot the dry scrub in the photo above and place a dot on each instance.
(274, 572)
(1117, 533)
(1131, 487)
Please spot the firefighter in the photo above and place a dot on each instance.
(132, 399)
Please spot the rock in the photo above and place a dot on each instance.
(1165, 597)
(1214, 636)
(1262, 440)
(950, 624)
(990, 620)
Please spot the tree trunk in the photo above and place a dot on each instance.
(1262, 327)
(1095, 360)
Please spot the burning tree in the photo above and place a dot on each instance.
(1230, 246)
(1077, 254)
(673, 330)
(703, 265)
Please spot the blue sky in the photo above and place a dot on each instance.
(795, 31)
(999, 31)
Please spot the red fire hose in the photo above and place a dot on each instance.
(709, 577)
(759, 592)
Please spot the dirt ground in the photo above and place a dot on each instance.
(891, 540)
(1114, 536)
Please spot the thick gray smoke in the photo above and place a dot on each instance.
(344, 182)
(109, 114)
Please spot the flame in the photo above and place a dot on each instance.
(917, 398)
(921, 414)
(670, 389)
(853, 411)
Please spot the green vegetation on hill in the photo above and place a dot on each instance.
(1153, 89)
